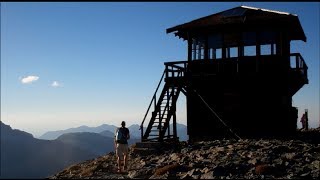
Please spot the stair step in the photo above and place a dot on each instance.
(157, 130)
(173, 70)
(157, 125)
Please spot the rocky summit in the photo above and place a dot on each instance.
(218, 159)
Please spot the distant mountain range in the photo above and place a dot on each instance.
(23, 156)
(51, 135)
(108, 131)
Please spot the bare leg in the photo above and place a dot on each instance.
(125, 162)
(118, 161)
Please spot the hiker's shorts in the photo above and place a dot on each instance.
(122, 149)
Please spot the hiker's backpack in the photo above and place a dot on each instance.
(120, 136)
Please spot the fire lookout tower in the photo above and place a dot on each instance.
(239, 75)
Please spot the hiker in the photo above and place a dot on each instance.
(121, 143)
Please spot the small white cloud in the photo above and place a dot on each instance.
(29, 79)
(55, 84)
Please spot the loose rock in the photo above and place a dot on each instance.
(218, 159)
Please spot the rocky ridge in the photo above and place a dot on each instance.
(218, 159)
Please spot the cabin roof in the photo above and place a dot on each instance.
(243, 16)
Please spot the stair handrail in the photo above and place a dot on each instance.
(153, 99)
(180, 69)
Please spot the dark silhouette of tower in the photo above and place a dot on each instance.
(239, 77)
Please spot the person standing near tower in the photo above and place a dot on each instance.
(121, 142)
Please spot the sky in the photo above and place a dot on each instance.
(69, 64)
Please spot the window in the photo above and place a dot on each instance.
(218, 53)
(234, 52)
(211, 53)
(250, 50)
(265, 49)
(197, 49)
(293, 62)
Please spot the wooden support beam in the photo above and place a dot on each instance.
(258, 51)
(189, 48)
(241, 49)
(174, 125)
(279, 44)
(258, 44)
(199, 51)
(206, 48)
(194, 49)
(224, 52)
(228, 52)
(272, 48)
(214, 53)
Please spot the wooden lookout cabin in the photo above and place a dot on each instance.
(238, 80)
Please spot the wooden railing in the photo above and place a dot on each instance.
(299, 64)
(175, 69)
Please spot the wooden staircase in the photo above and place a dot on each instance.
(164, 109)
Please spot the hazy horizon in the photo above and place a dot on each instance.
(64, 65)
(38, 135)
